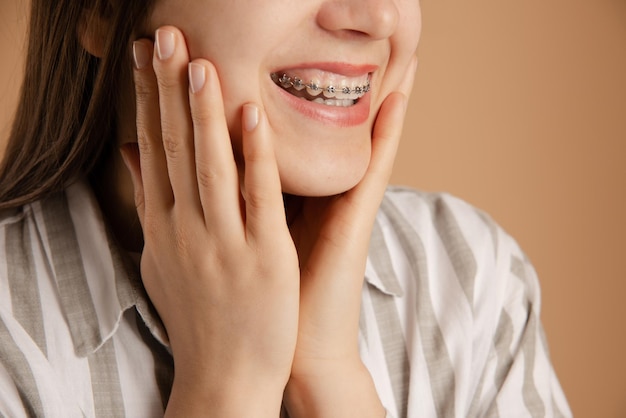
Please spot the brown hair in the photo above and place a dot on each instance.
(65, 121)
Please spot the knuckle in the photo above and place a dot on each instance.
(258, 200)
(200, 115)
(175, 137)
(144, 92)
(181, 240)
(164, 233)
(168, 85)
(207, 175)
(144, 139)
(254, 155)
(206, 178)
(171, 143)
(151, 227)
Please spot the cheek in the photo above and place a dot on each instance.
(238, 70)
(403, 47)
(410, 26)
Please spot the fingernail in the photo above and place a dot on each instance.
(197, 77)
(250, 117)
(141, 55)
(165, 43)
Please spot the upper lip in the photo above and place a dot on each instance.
(341, 68)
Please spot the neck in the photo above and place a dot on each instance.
(114, 192)
(112, 184)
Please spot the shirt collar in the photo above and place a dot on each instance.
(387, 284)
(96, 281)
(379, 271)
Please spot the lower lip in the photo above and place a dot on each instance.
(354, 115)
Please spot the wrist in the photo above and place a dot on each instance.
(339, 390)
(198, 393)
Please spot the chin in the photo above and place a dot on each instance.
(317, 189)
(323, 181)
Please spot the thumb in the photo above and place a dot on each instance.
(385, 139)
(388, 130)
(406, 85)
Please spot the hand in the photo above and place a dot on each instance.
(221, 270)
(332, 237)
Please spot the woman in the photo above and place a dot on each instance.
(243, 263)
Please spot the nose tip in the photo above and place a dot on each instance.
(377, 19)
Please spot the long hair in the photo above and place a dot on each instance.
(65, 120)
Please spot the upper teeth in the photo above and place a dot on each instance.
(313, 87)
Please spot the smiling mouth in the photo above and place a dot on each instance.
(327, 89)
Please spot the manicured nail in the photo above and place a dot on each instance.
(250, 117)
(165, 43)
(141, 55)
(197, 77)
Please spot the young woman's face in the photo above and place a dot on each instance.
(354, 51)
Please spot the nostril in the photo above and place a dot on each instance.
(377, 19)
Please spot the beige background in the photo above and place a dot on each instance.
(519, 108)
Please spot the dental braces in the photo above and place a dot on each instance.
(286, 82)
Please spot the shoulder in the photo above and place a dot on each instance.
(18, 236)
(446, 226)
(425, 210)
(42, 247)
(439, 242)
(25, 231)
(465, 300)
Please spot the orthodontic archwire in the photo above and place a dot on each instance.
(286, 82)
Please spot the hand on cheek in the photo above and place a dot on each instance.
(222, 272)
(249, 306)
(328, 375)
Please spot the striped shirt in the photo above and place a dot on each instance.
(449, 323)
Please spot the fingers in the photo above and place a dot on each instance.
(386, 136)
(164, 126)
(265, 210)
(170, 66)
(156, 183)
(367, 195)
(406, 85)
(186, 158)
(385, 140)
(216, 171)
(388, 127)
(347, 232)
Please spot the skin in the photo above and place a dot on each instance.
(261, 298)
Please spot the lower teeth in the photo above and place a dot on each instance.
(302, 94)
(334, 102)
